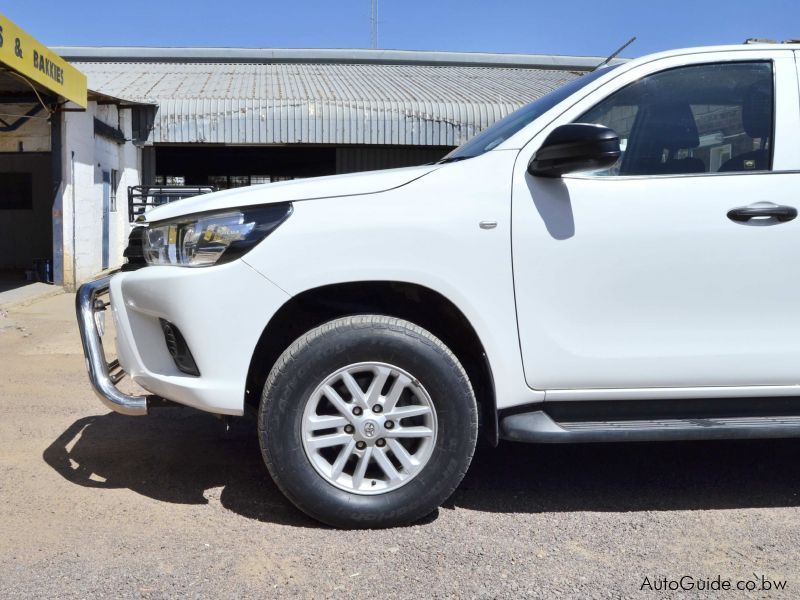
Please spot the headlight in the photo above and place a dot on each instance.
(214, 238)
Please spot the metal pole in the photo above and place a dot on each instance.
(373, 20)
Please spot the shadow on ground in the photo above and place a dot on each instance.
(175, 455)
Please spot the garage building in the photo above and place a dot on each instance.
(225, 118)
(232, 117)
(66, 153)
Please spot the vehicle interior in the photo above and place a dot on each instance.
(697, 119)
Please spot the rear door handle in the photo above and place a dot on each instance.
(762, 213)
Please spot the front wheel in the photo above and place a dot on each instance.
(367, 421)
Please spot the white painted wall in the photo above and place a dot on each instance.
(130, 173)
(85, 157)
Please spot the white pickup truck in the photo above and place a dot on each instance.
(611, 262)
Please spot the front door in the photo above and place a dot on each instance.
(677, 267)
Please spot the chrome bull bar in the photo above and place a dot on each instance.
(103, 375)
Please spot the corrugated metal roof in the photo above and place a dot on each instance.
(347, 56)
(319, 103)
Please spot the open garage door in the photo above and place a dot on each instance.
(34, 85)
(26, 182)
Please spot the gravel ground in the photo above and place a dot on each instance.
(96, 504)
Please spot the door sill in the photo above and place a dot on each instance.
(539, 427)
(760, 391)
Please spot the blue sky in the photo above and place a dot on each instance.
(582, 27)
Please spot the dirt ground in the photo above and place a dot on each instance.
(95, 504)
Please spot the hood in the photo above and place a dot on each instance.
(333, 186)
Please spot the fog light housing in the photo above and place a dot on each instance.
(178, 349)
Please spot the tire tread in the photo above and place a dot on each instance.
(343, 324)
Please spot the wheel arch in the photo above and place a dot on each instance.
(418, 304)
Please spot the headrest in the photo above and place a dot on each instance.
(672, 125)
(757, 110)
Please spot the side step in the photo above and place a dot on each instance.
(539, 427)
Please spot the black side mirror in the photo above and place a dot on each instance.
(575, 147)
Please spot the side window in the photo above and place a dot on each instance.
(698, 119)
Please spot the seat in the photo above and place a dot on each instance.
(757, 123)
(670, 127)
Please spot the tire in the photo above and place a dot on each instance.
(297, 396)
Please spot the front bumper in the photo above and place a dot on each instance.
(221, 312)
(103, 375)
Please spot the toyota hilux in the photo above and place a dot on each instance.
(612, 262)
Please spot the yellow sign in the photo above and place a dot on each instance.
(38, 63)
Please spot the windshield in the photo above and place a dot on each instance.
(511, 124)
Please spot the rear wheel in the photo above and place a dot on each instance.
(367, 421)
